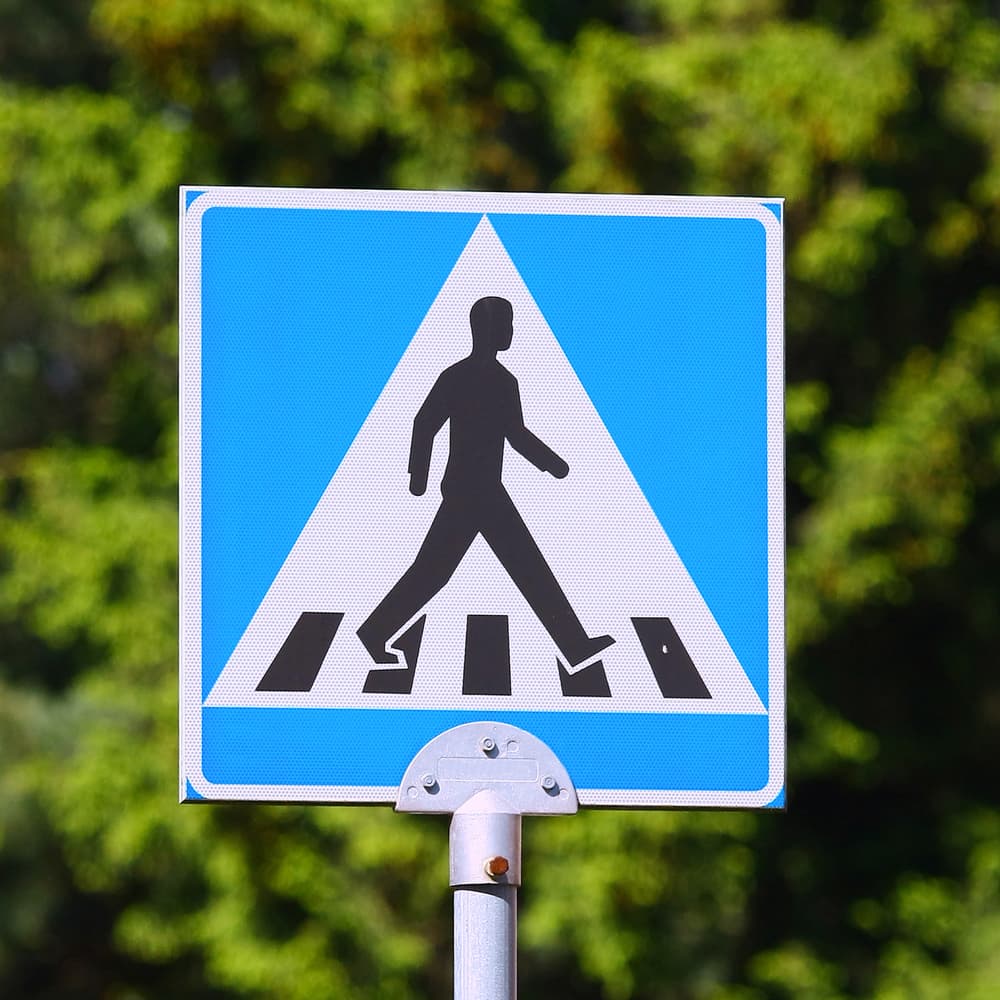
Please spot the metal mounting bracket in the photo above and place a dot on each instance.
(487, 756)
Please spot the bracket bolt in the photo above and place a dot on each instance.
(495, 867)
(428, 780)
(548, 782)
(487, 745)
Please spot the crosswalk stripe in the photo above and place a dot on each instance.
(301, 655)
(487, 655)
(675, 673)
(399, 680)
(591, 682)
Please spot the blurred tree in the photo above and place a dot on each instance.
(879, 121)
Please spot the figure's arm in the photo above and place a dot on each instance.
(429, 420)
(533, 448)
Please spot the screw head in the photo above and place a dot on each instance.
(428, 780)
(497, 866)
(487, 745)
(548, 782)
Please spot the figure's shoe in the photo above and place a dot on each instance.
(376, 648)
(589, 649)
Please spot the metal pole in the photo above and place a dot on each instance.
(486, 942)
(485, 869)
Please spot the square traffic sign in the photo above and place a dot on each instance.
(450, 457)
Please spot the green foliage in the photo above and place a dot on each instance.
(878, 121)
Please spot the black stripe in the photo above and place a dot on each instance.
(675, 673)
(302, 653)
(399, 680)
(591, 682)
(487, 655)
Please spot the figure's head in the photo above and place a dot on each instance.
(492, 322)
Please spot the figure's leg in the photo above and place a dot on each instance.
(451, 533)
(509, 538)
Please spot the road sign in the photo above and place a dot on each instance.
(451, 457)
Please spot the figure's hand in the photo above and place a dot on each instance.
(418, 485)
(558, 467)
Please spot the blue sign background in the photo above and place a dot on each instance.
(306, 312)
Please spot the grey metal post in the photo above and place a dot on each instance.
(487, 775)
(485, 871)
(486, 942)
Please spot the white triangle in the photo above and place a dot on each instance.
(595, 529)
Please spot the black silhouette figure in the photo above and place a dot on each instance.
(480, 399)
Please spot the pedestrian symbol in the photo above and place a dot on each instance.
(482, 549)
(479, 400)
